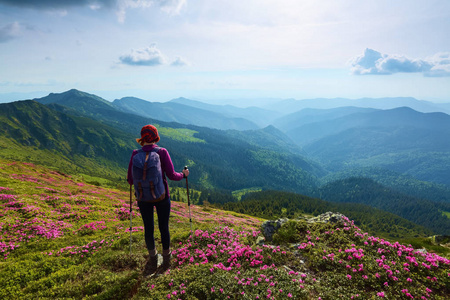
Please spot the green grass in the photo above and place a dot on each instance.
(426, 243)
(240, 193)
(179, 134)
(91, 170)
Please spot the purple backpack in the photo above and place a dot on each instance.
(147, 176)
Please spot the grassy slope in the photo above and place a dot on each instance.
(9, 149)
(34, 133)
(62, 238)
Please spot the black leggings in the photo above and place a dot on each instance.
(163, 212)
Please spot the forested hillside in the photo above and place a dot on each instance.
(35, 133)
(401, 183)
(275, 204)
(401, 140)
(366, 191)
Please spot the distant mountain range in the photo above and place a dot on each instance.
(182, 113)
(293, 105)
(401, 139)
(260, 116)
(309, 151)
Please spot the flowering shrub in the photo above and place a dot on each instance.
(124, 213)
(81, 251)
(351, 260)
(92, 227)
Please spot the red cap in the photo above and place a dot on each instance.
(149, 134)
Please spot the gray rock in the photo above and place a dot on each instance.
(423, 250)
(328, 217)
(271, 226)
(260, 240)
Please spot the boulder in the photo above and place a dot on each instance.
(328, 217)
(260, 240)
(270, 227)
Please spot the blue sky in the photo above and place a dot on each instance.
(212, 50)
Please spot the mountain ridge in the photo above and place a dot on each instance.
(377, 103)
(258, 115)
(180, 113)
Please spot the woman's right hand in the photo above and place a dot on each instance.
(186, 172)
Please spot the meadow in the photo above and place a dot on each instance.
(62, 238)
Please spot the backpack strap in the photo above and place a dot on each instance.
(152, 189)
(144, 175)
(156, 149)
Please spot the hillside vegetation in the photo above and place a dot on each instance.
(400, 140)
(274, 204)
(366, 191)
(35, 133)
(63, 238)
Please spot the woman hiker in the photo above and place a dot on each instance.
(149, 138)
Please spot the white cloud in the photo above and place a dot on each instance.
(149, 56)
(375, 63)
(179, 62)
(171, 6)
(168, 6)
(124, 5)
(9, 32)
(441, 65)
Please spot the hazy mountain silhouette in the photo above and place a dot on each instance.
(260, 116)
(180, 113)
(292, 105)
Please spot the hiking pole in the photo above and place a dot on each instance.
(189, 202)
(131, 225)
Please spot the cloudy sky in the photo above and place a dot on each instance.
(233, 49)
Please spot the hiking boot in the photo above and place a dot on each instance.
(151, 265)
(166, 261)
